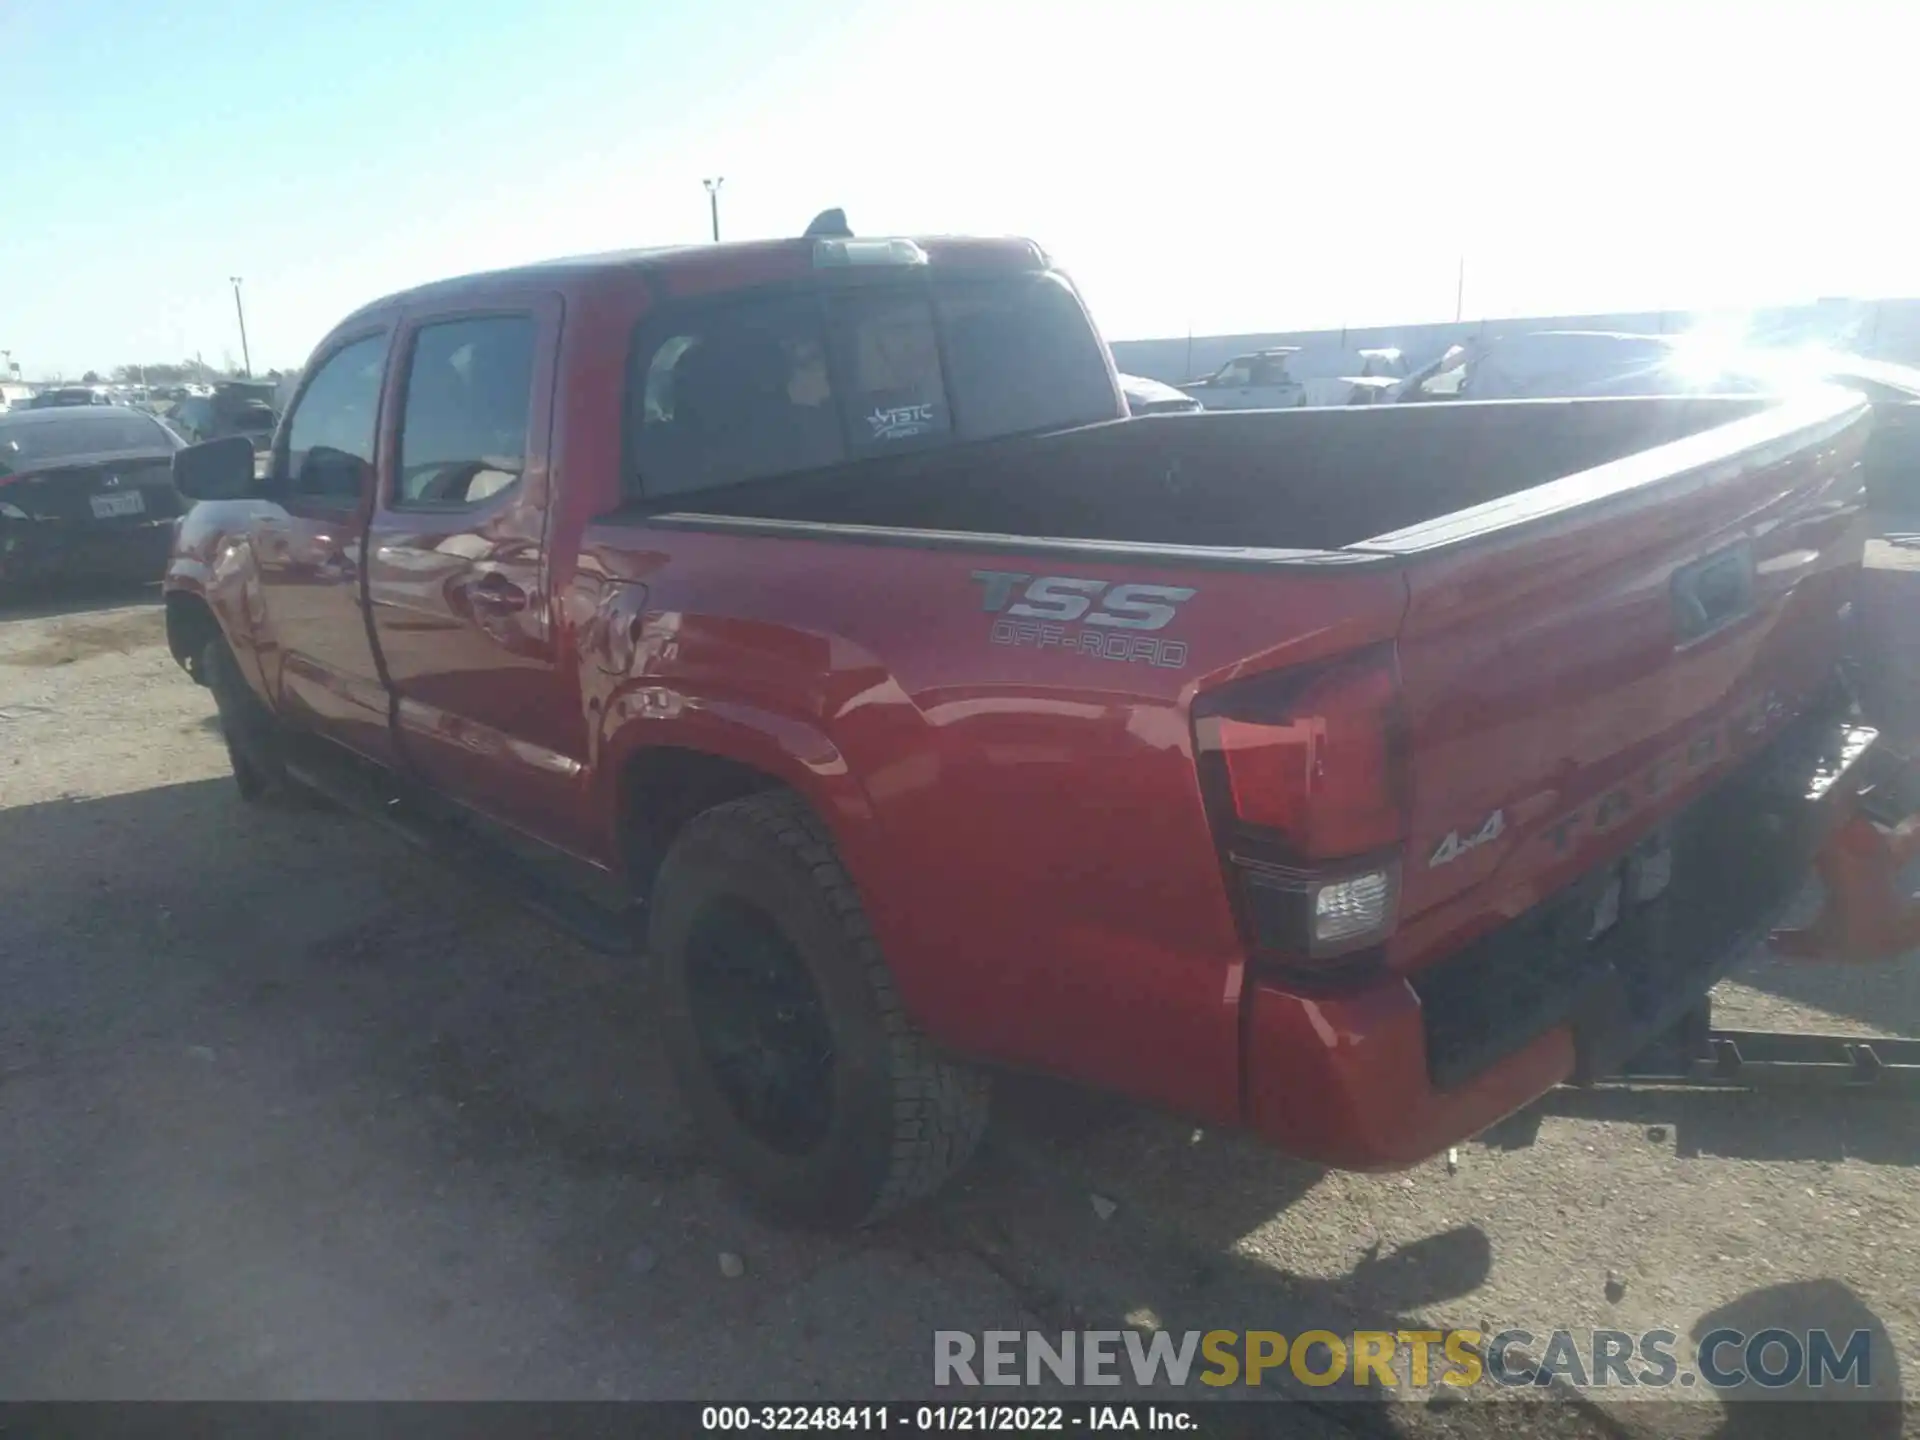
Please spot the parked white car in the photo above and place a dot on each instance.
(1334, 376)
(1289, 376)
(1259, 381)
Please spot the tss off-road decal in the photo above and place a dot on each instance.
(1085, 617)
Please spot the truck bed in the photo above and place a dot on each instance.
(1307, 480)
(1532, 568)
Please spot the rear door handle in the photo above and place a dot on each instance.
(495, 593)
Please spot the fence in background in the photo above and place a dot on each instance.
(1884, 329)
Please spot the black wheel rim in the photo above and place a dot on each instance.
(762, 1027)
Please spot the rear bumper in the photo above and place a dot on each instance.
(1395, 1073)
(1344, 1081)
(50, 550)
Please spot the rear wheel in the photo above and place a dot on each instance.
(792, 1050)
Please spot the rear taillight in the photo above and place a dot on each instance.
(8, 510)
(1304, 777)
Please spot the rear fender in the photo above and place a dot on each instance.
(792, 750)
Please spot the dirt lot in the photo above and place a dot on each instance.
(287, 1110)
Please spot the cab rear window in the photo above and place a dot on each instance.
(783, 383)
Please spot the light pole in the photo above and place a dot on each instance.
(246, 359)
(713, 202)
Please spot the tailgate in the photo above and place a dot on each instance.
(1581, 659)
(1893, 461)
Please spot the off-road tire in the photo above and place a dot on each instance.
(903, 1116)
(251, 732)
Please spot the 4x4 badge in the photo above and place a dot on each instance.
(1453, 847)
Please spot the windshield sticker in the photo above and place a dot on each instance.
(901, 422)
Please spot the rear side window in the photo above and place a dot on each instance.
(463, 433)
(775, 385)
(330, 438)
(736, 394)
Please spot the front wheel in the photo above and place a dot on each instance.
(251, 732)
(799, 1065)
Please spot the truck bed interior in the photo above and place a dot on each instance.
(1308, 479)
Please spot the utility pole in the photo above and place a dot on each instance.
(246, 359)
(1460, 292)
(713, 202)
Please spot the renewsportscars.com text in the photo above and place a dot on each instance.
(1390, 1359)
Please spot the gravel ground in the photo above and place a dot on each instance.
(286, 1110)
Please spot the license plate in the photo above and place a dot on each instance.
(127, 502)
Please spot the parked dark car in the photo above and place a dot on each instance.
(85, 492)
(236, 407)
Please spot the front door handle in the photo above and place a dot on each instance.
(496, 594)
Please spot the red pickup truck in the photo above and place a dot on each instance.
(808, 615)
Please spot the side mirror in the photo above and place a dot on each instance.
(216, 470)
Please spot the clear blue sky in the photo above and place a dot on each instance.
(1225, 166)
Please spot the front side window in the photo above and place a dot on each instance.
(330, 437)
(463, 432)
